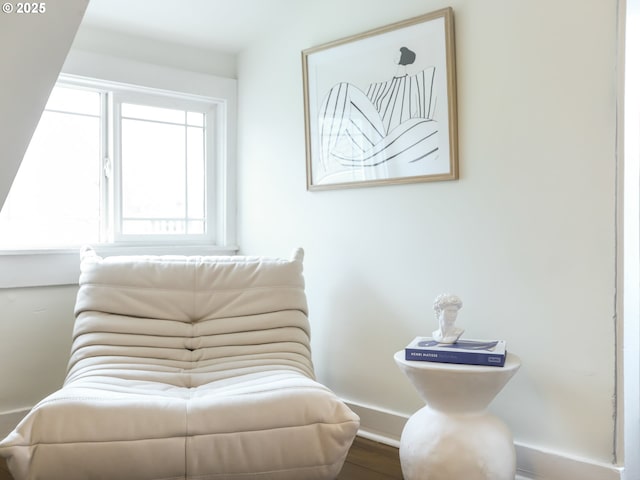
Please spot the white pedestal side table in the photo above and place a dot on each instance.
(454, 437)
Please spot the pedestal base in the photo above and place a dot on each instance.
(441, 446)
(454, 437)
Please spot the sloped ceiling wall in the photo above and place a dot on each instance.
(34, 48)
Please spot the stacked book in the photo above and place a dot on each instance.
(470, 352)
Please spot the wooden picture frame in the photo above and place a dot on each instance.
(380, 107)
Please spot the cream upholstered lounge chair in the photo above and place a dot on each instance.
(186, 368)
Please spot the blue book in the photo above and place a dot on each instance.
(469, 352)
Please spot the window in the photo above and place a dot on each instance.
(55, 196)
(110, 164)
(163, 182)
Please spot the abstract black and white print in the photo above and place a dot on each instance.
(387, 131)
(379, 105)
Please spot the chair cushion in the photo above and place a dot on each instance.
(187, 367)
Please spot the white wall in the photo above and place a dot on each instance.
(35, 341)
(141, 49)
(526, 236)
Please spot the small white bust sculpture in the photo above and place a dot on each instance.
(446, 307)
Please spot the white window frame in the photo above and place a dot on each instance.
(214, 141)
(60, 266)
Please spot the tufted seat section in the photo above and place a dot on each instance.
(187, 367)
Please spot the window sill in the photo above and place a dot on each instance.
(38, 268)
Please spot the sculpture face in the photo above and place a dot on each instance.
(448, 318)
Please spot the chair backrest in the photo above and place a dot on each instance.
(203, 316)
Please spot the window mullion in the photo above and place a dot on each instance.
(116, 189)
(106, 170)
(186, 174)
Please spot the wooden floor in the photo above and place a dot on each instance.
(367, 460)
(4, 473)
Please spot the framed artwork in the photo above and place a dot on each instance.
(380, 107)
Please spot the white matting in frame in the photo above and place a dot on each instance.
(380, 107)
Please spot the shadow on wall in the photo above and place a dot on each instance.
(357, 362)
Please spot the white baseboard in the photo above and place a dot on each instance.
(540, 464)
(532, 463)
(8, 420)
(379, 425)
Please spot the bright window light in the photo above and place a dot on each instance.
(106, 166)
(163, 172)
(55, 197)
